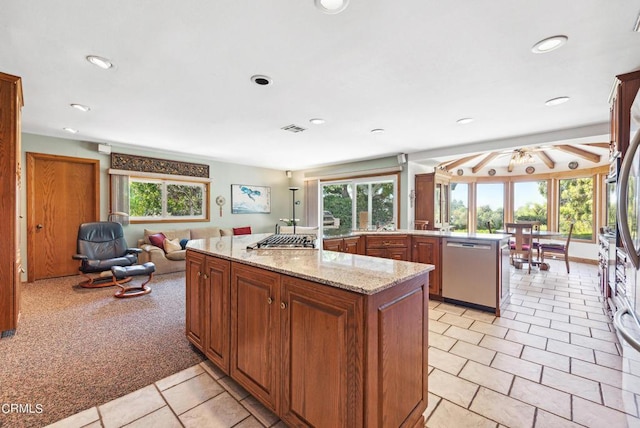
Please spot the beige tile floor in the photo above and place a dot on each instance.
(551, 360)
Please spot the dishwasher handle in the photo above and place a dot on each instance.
(469, 245)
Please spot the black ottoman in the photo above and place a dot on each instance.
(122, 272)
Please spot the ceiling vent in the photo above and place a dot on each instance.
(293, 128)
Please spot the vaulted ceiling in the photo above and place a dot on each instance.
(529, 160)
(182, 75)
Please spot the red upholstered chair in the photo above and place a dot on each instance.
(558, 249)
(242, 230)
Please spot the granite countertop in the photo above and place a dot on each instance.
(434, 233)
(360, 274)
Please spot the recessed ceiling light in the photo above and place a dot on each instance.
(464, 120)
(261, 80)
(80, 107)
(100, 62)
(549, 44)
(71, 130)
(317, 121)
(556, 101)
(331, 6)
(377, 131)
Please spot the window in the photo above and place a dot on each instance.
(155, 199)
(359, 204)
(530, 202)
(490, 206)
(576, 205)
(459, 207)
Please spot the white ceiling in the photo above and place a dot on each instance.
(181, 80)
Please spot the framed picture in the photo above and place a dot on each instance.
(247, 199)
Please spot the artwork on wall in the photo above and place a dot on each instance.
(247, 199)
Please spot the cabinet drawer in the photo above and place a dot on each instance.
(387, 241)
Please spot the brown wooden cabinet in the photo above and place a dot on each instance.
(255, 332)
(395, 247)
(624, 95)
(208, 307)
(10, 260)
(320, 332)
(314, 354)
(428, 250)
(432, 200)
(351, 245)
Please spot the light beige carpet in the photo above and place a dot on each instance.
(76, 348)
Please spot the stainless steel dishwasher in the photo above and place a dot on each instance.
(469, 271)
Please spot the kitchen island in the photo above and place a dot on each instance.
(321, 338)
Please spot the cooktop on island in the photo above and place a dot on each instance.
(285, 241)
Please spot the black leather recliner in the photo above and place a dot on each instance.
(101, 245)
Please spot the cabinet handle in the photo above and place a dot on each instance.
(205, 276)
(283, 305)
(269, 300)
(199, 273)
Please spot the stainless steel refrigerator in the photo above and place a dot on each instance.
(627, 299)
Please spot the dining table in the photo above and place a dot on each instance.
(539, 234)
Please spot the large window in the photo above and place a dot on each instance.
(459, 207)
(153, 199)
(489, 206)
(530, 202)
(576, 205)
(363, 203)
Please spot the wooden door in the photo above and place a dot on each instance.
(216, 279)
(62, 193)
(195, 302)
(322, 355)
(255, 332)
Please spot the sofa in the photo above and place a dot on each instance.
(170, 256)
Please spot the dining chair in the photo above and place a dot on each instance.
(536, 237)
(522, 244)
(558, 249)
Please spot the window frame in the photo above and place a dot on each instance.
(359, 180)
(598, 174)
(166, 179)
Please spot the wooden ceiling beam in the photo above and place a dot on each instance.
(584, 154)
(461, 161)
(599, 145)
(544, 157)
(484, 161)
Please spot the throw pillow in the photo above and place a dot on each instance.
(183, 243)
(157, 240)
(242, 230)
(171, 245)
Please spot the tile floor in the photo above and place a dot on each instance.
(551, 360)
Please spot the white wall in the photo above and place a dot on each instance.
(222, 175)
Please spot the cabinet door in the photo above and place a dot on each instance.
(427, 250)
(351, 245)
(216, 280)
(195, 307)
(322, 355)
(332, 244)
(255, 331)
